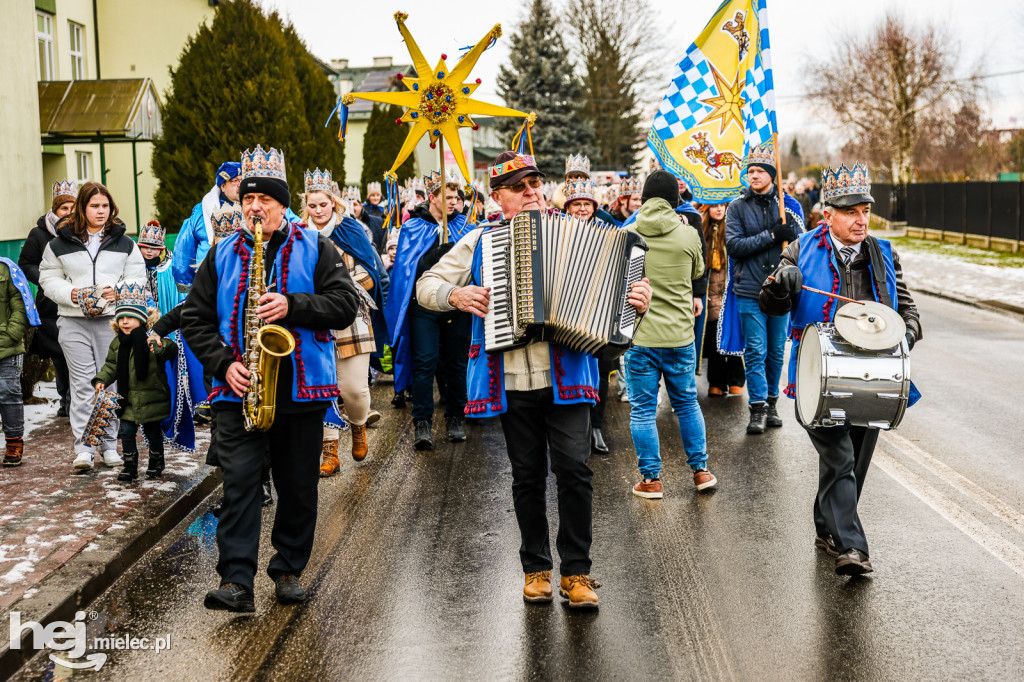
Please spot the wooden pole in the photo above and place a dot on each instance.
(444, 194)
(778, 180)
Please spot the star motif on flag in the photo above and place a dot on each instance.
(728, 104)
(438, 102)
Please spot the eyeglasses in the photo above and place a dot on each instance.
(520, 187)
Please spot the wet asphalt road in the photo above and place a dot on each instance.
(415, 574)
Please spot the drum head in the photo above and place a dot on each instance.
(870, 325)
(808, 375)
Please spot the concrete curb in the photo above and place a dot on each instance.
(992, 306)
(88, 574)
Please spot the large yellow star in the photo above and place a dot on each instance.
(438, 102)
(728, 103)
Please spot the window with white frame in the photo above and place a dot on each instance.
(44, 45)
(84, 162)
(76, 48)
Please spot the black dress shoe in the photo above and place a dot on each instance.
(399, 400)
(288, 589)
(424, 441)
(456, 433)
(824, 542)
(853, 562)
(597, 442)
(268, 495)
(230, 597)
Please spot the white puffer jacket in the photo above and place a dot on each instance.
(67, 265)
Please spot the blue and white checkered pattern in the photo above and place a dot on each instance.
(691, 82)
(759, 93)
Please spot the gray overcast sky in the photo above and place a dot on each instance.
(359, 31)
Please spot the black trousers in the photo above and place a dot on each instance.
(60, 374)
(128, 431)
(844, 455)
(439, 341)
(604, 368)
(294, 443)
(723, 370)
(532, 425)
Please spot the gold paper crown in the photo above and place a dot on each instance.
(372, 187)
(630, 186)
(65, 188)
(432, 181)
(318, 181)
(763, 153)
(577, 163)
(844, 181)
(225, 224)
(263, 164)
(579, 189)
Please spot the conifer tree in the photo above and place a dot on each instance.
(381, 145)
(539, 78)
(242, 80)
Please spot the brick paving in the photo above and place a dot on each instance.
(48, 514)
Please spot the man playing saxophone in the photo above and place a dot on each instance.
(308, 292)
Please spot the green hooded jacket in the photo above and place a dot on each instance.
(144, 401)
(13, 321)
(672, 263)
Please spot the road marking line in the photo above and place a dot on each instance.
(993, 504)
(968, 523)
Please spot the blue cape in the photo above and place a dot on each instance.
(21, 284)
(414, 240)
(351, 238)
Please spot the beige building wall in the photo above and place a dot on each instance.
(20, 166)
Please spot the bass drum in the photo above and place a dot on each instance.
(838, 383)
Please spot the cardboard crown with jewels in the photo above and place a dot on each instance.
(372, 188)
(152, 235)
(352, 194)
(630, 186)
(580, 189)
(844, 186)
(260, 163)
(763, 153)
(225, 224)
(577, 163)
(65, 188)
(432, 181)
(131, 301)
(318, 181)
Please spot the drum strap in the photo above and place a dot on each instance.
(878, 271)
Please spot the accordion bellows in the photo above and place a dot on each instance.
(559, 279)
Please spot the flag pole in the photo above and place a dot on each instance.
(444, 194)
(778, 179)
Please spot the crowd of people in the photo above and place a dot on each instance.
(362, 295)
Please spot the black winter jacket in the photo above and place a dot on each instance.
(29, 260)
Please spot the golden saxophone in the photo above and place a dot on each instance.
(265, 345)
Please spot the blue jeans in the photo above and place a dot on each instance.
(12, 408)
(764, 337)
(644, 369)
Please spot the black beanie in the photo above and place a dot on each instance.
(273, 187)
(770, 170)
(662, 185)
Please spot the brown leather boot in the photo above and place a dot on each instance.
(538, 587)
(359, 442)
(579, 590)
(330, 464)
(15, 449)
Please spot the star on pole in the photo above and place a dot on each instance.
(439, 101)
(728, 104)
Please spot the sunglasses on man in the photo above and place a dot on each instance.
(520, 187)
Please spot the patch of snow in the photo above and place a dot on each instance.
(18, 573)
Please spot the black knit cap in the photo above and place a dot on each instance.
(274, 187)
(662, 185)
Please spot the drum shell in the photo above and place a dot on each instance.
(856, 386)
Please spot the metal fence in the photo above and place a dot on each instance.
(984, 209)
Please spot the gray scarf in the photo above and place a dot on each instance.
(51, 222)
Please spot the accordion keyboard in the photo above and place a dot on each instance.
(499, 332)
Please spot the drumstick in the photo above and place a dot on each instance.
(771, 278)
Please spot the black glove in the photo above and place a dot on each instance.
(783, 232)
(788, 281)
(911, 338)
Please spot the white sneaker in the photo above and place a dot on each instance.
(112, 459)
(83, 461)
